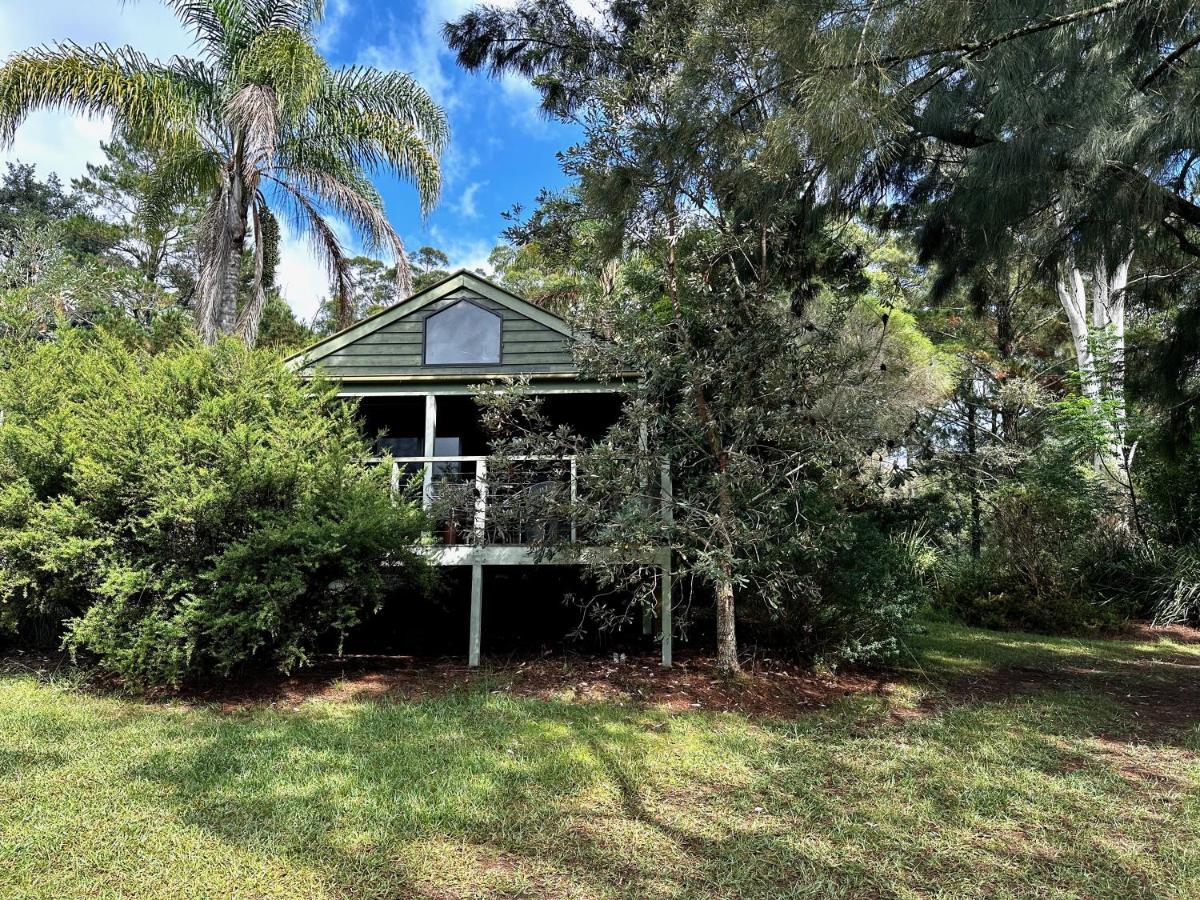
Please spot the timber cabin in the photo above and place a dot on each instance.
(414, 369)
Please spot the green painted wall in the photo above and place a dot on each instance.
(526, 347)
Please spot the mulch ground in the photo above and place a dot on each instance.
(1162, 695)
(768, 689)
(1180, 634)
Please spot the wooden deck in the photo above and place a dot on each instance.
(472, 537)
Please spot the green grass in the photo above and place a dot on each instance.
(1064, 790)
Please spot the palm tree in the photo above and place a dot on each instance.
(259, 121)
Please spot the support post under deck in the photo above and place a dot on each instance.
(476, 615)
(668, 517)
(665, 616)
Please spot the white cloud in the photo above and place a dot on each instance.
(415, 45)
(302, 277)
(464, 253)
(60, 141)
(148, 26)
(472, 256)
(329, 32)
(466, 202)
(459, 160)
(525, 100)
(303, 281)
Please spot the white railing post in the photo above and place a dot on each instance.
(574, 496)
(481, 498)
(395, 481)
(430, 443)
(476, 624)
(667, 490)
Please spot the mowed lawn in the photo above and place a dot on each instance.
(993, 765)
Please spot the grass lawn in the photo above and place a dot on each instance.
(992, 765)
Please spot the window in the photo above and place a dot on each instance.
(462, 333)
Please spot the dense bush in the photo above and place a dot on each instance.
(852, 597)
(189, 512)
(1054, 561)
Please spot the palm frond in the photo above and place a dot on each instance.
(374, 143)
(199, 81)
(307, 219)
(260, 102)
(351, 196)
(286, 60)
(298, 15)
(179, 173)
(145, 99)
(208, 20)
(396, 96)
(253, 112)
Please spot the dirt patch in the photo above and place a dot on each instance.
(769, 689)
(1159, 696)
(1154, 704)
(44, 664)
(1153, 634)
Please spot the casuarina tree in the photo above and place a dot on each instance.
(713, 268)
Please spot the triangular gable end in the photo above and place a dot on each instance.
(462, 285)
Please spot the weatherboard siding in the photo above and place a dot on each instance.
(526, 347)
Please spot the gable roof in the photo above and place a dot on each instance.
(462, 279)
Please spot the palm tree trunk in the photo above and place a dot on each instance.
(239, 208)
(222, 240)
(251, 317)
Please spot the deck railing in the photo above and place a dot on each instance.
(513, 500)
(523, 500)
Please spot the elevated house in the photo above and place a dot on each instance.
(414, 370)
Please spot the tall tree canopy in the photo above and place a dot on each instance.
(770, 372)
(1057, 131)
(1061, 129)
(257, 122)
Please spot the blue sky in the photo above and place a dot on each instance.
(501, 152)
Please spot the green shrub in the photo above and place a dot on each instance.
(1053, 562)
(1175, 586)
(852, 598)
(185, 513)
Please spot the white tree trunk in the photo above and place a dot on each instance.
(1095, 308)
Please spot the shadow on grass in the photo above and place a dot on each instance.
(495, 796)
(950, 650)
(476, 793)
(1154, 683)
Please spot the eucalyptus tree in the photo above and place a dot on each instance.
(257, 122)
(1058, 129)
